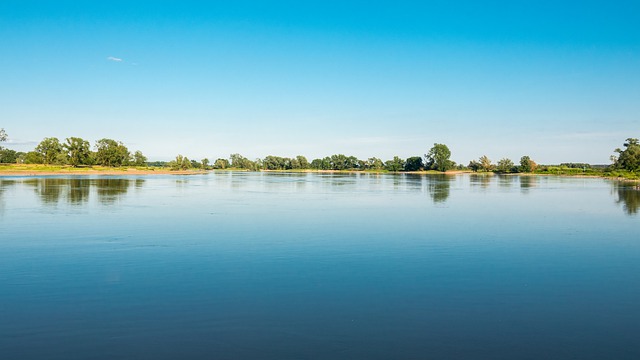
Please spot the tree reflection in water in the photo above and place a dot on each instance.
(49, 190)
(439, 187)
(484, 179)
(527, 182)
(111, 189)
(77, 190)
(4, 184)
(630, 198)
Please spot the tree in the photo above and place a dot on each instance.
(221, 164)
(49, 149)
(395, 165)
(139, 159)
(413, 163)
(111, 153)
(33, 157)
(3, 135)
(304, 163)
(374, 163)
(438, 158)
(240, 162)
(474, 165)
(527, 165)
(78, 152)
(629, 158)
(195, 164)
(8, 156)
(180, 163)
(205, 163)
(485, 163)
(505, 165)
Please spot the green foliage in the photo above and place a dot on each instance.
(438, 158)
(49, 149)
(78, 152)
(321, 164)
(413, 163)
(3, 135)
(180, 163)
(527, 165)
(485, 163)
(221, 164)
(139, 159)
(474, 165)
(629, 158)
(240, 162)
(205, 163)
(302, 161)
(373, 163)
(343, 162)
(111, 153)
(395, 165)
(276, 163)
(33, 157)
(505, 166)
(8, 156)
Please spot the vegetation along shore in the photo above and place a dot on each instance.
(75, 156)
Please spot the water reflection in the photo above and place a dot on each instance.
(77, 191)
(4, 184)
(49, 190)
(629, 197)
(527, 182)
(482, 180)
(506, 181)
(439, 187)
(110, 190)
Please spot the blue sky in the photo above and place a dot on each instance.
(558, 81)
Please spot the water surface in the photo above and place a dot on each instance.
(322, 266)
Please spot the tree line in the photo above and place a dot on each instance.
(75, 151)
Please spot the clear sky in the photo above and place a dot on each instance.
(556, 80)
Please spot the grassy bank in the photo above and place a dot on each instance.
(39, 169)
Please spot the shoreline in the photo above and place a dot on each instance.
(33, 171)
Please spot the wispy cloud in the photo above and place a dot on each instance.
(112, 58)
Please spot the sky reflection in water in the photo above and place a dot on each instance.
(335, 266)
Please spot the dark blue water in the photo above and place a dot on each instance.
(318, 266)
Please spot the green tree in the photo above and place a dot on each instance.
(139, 159)
(240, 162)
(304, 163)
(180, 163)
(3, 135)
(49, 149)
(221, 164)
(505, 165)
(374, 163)
(205, 163)
(78, 151)
(8, 156)
(196, 164)
(629, 158)
(413, 163)
(395, 165)
(527, 165)
(33, 157)
(485, 163)
(111, 153)
(474, 165)
(438, 158)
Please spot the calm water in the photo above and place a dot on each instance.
(318, 266)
